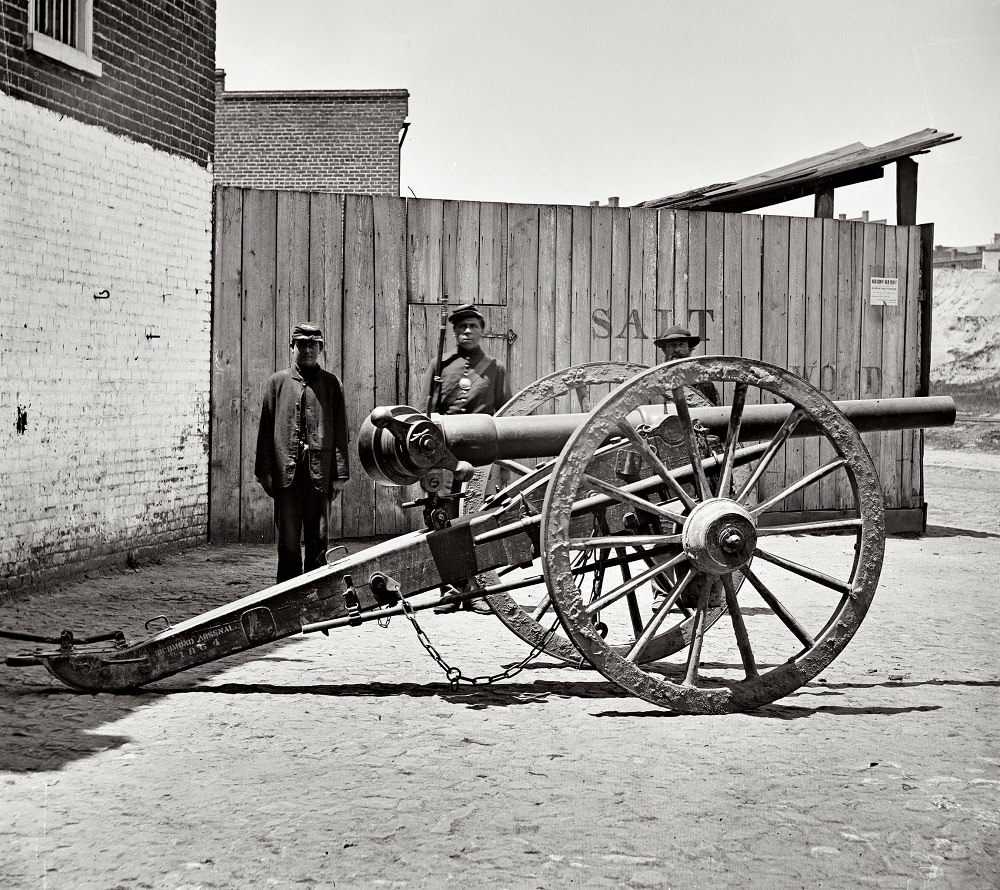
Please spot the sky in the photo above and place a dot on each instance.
(573, 101)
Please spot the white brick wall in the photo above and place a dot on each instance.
(113, 458)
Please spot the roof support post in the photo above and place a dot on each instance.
(906, 192)
(823, 208)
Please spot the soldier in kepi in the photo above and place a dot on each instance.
(471, 382)
(301, 459)
(468, 381)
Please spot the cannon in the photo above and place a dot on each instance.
(619, 537)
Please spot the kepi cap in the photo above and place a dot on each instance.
(676, 332)
(307, 331)
(466, 310)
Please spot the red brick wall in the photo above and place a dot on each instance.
(343, 141)
(158, 79)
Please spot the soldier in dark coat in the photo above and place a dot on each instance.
(470, 382)
(302, 458)
(677, 342)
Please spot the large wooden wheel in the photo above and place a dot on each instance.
(814, 580)
(531, 615)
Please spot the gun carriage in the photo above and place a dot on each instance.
(623, 547)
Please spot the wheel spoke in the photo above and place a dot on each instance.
(538, 613)
(633, 583)
(780, 437)
(732, 437)
(804, 571)
(659, 616)
(626, 497)
(514, 467)
(697, 637)
(662, 470)
(583, 397)
(609, 541)
(829, 525)
(633, 605)
(804, 482)
(776, 606)
(740, 629)
(687, 428)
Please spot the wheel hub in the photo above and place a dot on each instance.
(719, 536)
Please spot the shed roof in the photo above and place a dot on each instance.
(838, 167)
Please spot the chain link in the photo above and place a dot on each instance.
(454, 674)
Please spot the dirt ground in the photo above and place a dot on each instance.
(349, 761)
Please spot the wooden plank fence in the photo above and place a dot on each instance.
(559, 286)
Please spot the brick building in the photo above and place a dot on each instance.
(979, 256)
(310, 140)
(106, 138)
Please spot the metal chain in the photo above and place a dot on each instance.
(454, 674)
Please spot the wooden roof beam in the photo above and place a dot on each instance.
(789, 191)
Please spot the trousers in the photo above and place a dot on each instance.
(301, 514)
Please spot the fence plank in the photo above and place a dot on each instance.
(715, 276)
(642, 286)
(492, 253)
(666, 244)
(258, 353)
(522, 292)
(910, 463)
(389, 216)
(358, 508)
(581, 276)
(600, 288)
(449, 250)
(546, 301)
(424, 232)
(620, 309)
(291, 266)
(796, 344)
(682, 273)
(774, 329)
(893, 345)
(828, 344)
(694, 317)
(563, 297)
(850, 271)
(466, 288)
(227, 402)
(326, 297)
(751, 259)
(813, 339)
(870, 380)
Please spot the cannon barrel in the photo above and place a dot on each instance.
(481, 439)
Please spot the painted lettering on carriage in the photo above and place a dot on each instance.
(201, 641)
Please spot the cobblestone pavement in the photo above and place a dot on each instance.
(348, 761)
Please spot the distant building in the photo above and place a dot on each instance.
(982, 256)
(106, 132)
(310, 140)
(991, 255)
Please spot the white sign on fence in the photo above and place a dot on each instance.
(885, 291)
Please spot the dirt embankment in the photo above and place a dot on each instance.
(965, 339)
(965, 357)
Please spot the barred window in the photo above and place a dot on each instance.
(63, 30)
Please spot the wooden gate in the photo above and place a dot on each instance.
(560, 285)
